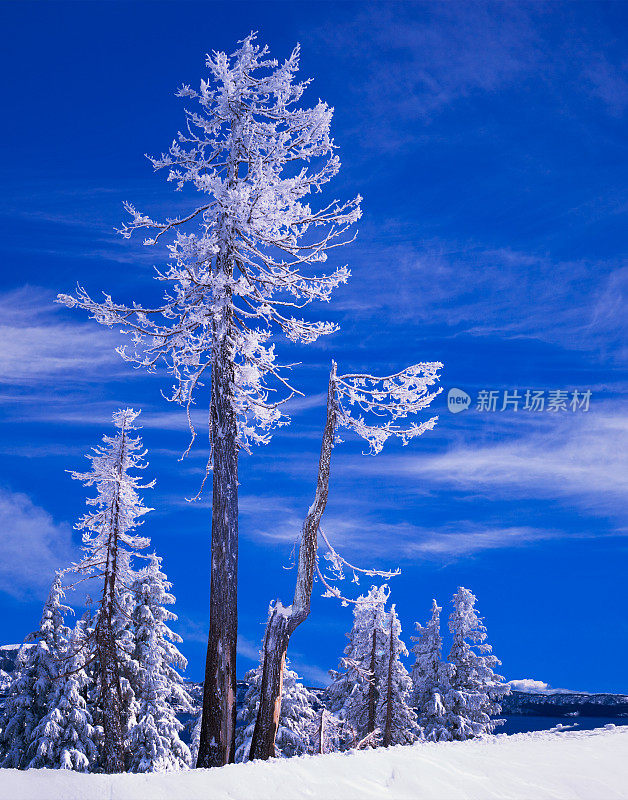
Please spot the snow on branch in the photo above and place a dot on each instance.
(335, 572)
(241, 261)
(380, 403)
(387, 400)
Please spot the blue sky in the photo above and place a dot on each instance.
(489, 143)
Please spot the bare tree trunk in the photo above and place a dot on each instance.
(389, 688)
(111, 694)
(217, 738)
(111, 691)
(282, 622)
(321, 733)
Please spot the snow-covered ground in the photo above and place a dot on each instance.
(556, 765)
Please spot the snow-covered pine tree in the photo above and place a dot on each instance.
(19, 712)
(354, 693)
(395, 716)
(195, 734)
(430, 678)
(238, 273)
(295, 718)
(154, 741)
(91, 692)
(109, 543)
(128, 668)
(33, 684)
(66, 738)
(475, 689)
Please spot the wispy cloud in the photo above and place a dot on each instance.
(424, 59)
(32, 546)
(400, 541)
(37, 346)
(248, 649)
(579, 460)
(584, 459)
(465, 288)
(607, 81)
(309, 673)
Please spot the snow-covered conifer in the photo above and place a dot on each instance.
(372, 689)
(430, 678)
(154, 742)
(109, 543)
(355, 690)
(475, 688)
(395, 716)
(19, 712)
(66, 738)
(33, 684)
(295, 718)
(195, 734)
(240, 271)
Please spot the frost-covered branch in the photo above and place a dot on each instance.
(387, 400)
(245, 254)
(336, 572)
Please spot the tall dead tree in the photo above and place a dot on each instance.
(236, 275)
(387, 400)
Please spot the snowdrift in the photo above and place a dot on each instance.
(591, 765)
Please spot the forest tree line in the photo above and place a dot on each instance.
(116, 675)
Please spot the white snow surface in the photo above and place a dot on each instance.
(574, 765)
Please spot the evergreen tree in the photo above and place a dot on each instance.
(32, 685)
(66, 737)
(19, 712)
(109, 543)
(195, 734)
(354, 693)
(155, 744)
(430, 678)
(395, 716)
(475, 688)
(129, 671)
(295, 718)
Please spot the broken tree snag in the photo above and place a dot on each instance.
(351, 399)
(282, 622)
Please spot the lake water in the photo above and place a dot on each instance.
(521, 724)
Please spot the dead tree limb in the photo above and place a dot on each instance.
(387, 399)
(282, 621)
